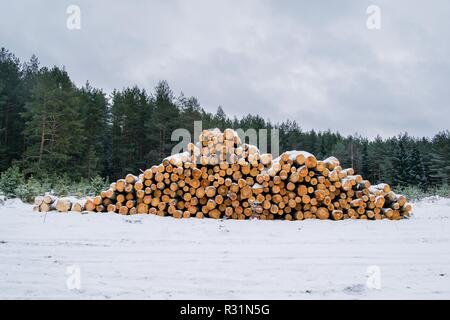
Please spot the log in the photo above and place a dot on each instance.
(45, 207)
(49, 199)
(89, 205)
(38, 200)
(63, 205)
(77, 206)
(322, 213)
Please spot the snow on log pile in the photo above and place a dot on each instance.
(220, 177)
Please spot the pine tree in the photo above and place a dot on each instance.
(441, 155)
(438, 174)
(53, 126)
(400, 163)
(415, 166)
(96, 130)
(190, 111)
(131, 109)
(365, 168)
(166, 117)
(379, 161)
(220, 119)
(340, 151)
(11, 105)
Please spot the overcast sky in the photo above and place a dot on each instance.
(315, 63)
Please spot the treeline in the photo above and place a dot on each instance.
(49, 126)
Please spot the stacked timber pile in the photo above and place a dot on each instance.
(302, 187)
(220, 177)
(50, 202)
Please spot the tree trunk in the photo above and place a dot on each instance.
(41, 147)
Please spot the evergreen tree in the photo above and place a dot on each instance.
(440, 166)
(379, 161)
(131, 109)
(415, 167)
(53, 126)
(340, 151)
(166, 117)
(96, 130)
(400, 163)
(11, 105)
(424, 146)
(220, 119)
(365, 168)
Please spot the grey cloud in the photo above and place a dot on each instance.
(313, 62)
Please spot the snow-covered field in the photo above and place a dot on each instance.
(149, 257)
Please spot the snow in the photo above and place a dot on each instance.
(178, 157)
(150, 257)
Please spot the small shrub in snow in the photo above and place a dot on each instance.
(61, 185)
(14, 184)
(9, 180)
(416, 193)
(98, 184)
(29, 190)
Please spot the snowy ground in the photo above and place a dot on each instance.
(149, 257)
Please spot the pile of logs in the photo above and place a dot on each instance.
(220, 177)
(50, 202)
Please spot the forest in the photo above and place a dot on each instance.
(49, 127)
